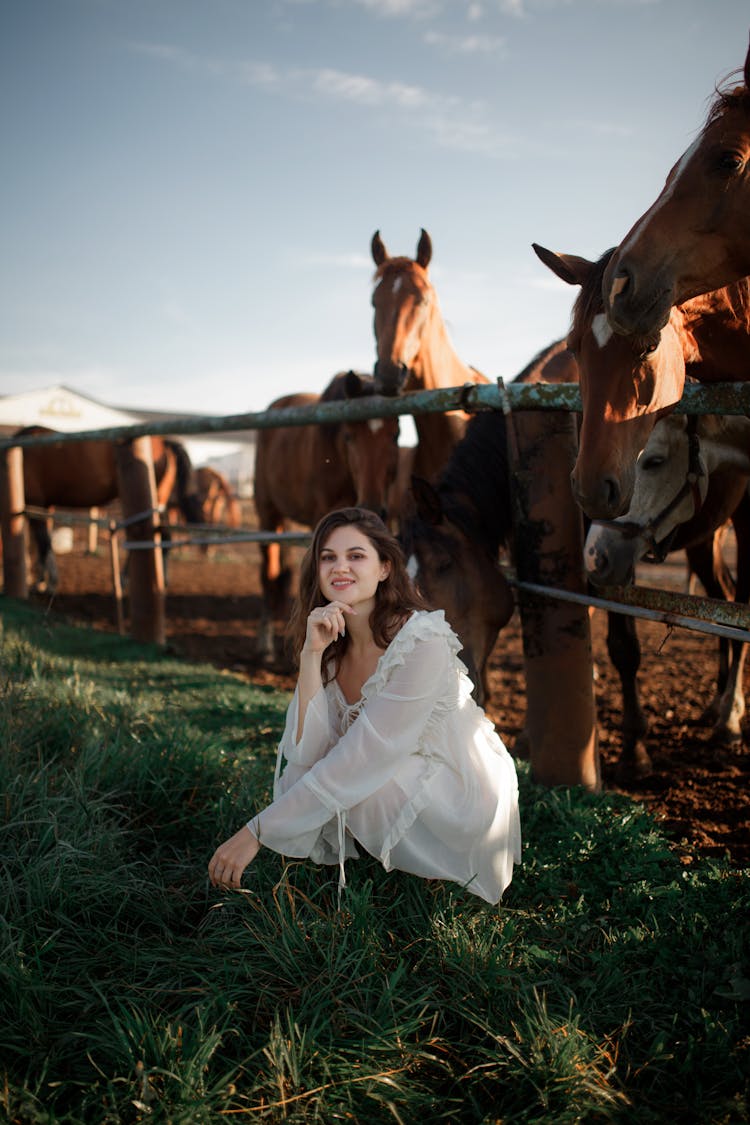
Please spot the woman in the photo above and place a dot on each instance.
(383, 744)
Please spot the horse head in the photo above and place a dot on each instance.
(627, 384)
(403, 300)
(370, 449)
(695, 237)
(671, 482)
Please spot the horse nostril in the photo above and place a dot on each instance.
(611, 493)
(620, 285)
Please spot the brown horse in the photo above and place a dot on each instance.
(303, 472)
(413, 348)
(696, 236)
(629, 382)
(84, 475)
(218, 502)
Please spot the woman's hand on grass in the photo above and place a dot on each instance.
(232, 857)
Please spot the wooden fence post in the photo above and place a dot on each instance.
(93, 532)
(135, 472)
(561, 710)
(13, 521)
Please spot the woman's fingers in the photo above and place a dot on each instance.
(329, 619)
(230, 860)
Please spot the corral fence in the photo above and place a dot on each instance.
(548, 541)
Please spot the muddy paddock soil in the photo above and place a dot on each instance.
(698, 790)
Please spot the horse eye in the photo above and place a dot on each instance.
(649, 349)
(730, 161)
(653, 462)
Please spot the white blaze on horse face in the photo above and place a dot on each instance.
(412, 567)
(375, 425)
(602, 330)
(397, 284)
(665, 196)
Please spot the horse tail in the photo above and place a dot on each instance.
(187, 489)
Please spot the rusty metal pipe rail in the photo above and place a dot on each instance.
(688, 611)
(720, 398)
(290, 538)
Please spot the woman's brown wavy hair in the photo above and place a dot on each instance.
(395, 597)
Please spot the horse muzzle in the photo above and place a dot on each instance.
(389, 378)
(610, 556)
(636, 307)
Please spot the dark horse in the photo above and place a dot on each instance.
(84, 475)
(454, 541)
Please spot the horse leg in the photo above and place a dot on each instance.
(706, 562)
(728, 728)
(265, 638)
(276, 577)
(624, 651)
(47, 574)
(166, 537)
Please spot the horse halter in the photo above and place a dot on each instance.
(630, 529)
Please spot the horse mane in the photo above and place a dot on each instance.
(474, 487)
(727, 98)
(531, 372)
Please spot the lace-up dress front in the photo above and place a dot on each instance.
(413, 772)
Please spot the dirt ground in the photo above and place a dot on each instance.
(699, 791)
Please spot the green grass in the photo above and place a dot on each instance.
(610, 986)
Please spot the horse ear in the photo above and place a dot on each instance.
(568, 267)
(427, 500)
(354, 385)
(424, 249)
(377, 247)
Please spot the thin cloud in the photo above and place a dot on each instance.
(465, 44)
(400, 8)
(367, 91)
(453, 122)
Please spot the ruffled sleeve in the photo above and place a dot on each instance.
(315, 740)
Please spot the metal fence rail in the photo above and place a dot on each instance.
(720, 398)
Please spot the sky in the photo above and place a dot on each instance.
(189, 187)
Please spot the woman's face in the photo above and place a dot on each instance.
(350, 568)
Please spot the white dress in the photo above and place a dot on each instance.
(414, 771)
